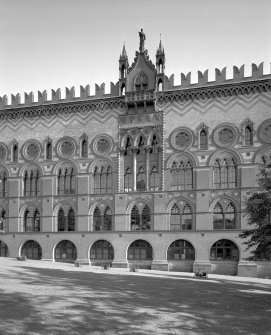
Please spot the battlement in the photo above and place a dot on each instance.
(57, 96)
(220, 78)
(203, 81)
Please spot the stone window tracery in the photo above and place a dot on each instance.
(31, 182)
(31, 220)
(181, 175)
(102, 218)
(224, 215)
(66, 220)
(141, 218)
(65, 180)
(181, 217)
(103, 179)
(224, 172)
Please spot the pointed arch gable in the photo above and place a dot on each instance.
(185, 157)
(29, 166)
(225, 153)
(105, 161)
(68, 163)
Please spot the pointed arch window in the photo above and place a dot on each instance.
(224, 216)
(224, 172)
(49, 151)
(141, 144)
(248, 135)
(154, 179)
(128, 180)
(66, 181)
(181, 219)
(128, 147)
(31, 182)
(84, 148)
(203, 140)
(108, 219)
(141, 220)
(3, 184)
(182, 176)
(66, 222)
(31, 220)
(15, 153)
(3, 221)
(103, 179)
(141, 179)
(97, 219)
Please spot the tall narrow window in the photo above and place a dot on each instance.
(187, 218)
(3, 184)
(71, 220)
(175, 218)
(203, 140)
(182, 176)
(154, 179)
(48, 151)
(141, 179)
(146, 218)
(225, 173)
(135, 219)
(97, 219)
(15, 153)
(66, 181)
(84, 148)
(248, 135)
(66, 223)
(3, 221)
(107, 219)
(128, 180)
(230, 219)
(217, 174)
(103, 179)
(61, 222)
(31, 220)
(224, 216)
(218, 217)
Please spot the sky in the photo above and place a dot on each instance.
(50, 44)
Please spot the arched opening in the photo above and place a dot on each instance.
(15, 153)
(84, 148)
(224, 215)
(182, 175)
(248, 136)
(3, 249)
(48, 151)
(31, 220)
(32, 250)
(122, 92)
(66, 180)
(3, 221)
(181, 256)
(160, 85)
(31, 182)
(65, 252)
(203, 140)
(66, 222)
(3, 184)
(101, 253)
(141, 218)
(224, 172)
(224, 257)
(140, 253)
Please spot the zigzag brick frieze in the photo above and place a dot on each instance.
(205, 93)
(96, 107)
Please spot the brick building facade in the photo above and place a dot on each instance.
(151, 173)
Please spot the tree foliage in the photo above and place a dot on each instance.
(258, 210)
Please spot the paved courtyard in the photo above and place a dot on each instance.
(38, 297)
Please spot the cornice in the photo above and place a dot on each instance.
(62, 108)
(217, 91)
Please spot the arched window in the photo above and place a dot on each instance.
(122, 89)
(3, 221)
(3, 184)
(182, 176)
(32, 250)
(102, 250)
(128, 180)
(97, 219)
(140, 150)
(181, 250)
(141, 179)
(248, 135)
(65, 251)
(224, 250)
(181, 219)
(66, 223)
(154, 179)
(225, 173)
(71, 220)
(141, 220)
(84, 148)
(108, 219)
(3, 249)
(103, 179)
(31, 181)
(128, 147)
(48, 151)
(203, 140)
(140, 250)
(15, 153)
(66, 180)
(160, 85)
(31, 220)
(224, 215)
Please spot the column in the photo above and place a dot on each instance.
(134, 151)
(147, 150)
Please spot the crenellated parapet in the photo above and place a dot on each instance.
(57, 96)
(220, 78)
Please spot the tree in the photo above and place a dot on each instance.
(258, 211)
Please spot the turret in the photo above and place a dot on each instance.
(160, 67)
(123, 67)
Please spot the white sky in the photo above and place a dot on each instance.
(50, 44)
